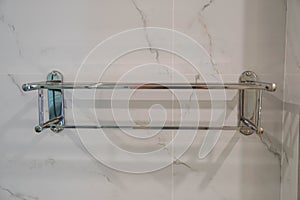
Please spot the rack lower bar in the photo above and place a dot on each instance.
(58, 85)
(229, 128)
(53, 124)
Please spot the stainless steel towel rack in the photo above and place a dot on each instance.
(250, 101)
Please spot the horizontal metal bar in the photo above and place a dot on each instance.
(57, 85)
(53, 124)
(147, 127)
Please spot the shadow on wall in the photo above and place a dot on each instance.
(291, 150)
(264, 53)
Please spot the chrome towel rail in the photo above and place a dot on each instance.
(53, 85)
(250, 102)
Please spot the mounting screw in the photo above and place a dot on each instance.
(246, 130)
(248, 73)
(54, 73)
(260, 131)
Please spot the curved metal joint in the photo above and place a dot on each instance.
(50, 124)
(249, 127)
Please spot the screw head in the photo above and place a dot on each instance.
(248, 73)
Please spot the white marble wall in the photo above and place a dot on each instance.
(239, 35)
(291, 128)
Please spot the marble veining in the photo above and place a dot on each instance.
(18, 195)
(179, 162)
(145, 24)
(272, 146)
(58, 34)
(290, 149)
(205, 29)
(16, 83)
(12, 29)
(291, 110)
(207, 5)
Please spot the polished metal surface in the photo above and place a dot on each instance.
(55, 101)
(228, 128)
(249, 105)
(55, 106)
(41, 106)
(250, 91)
(53, 124)
(231, 86)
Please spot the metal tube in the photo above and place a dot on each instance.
(48, 124)
(240, 86)
(229, 128)
(41, 106)
(252, 126)
(249, 124)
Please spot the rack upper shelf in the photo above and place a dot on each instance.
(231, 86)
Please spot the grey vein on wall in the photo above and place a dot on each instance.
(145, 24)
(16, 83)
(204, 26)
(207, 5)
(12, 29)
(18, 195)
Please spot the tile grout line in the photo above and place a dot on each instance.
(172, 113)
(298, 196)
(283, 104)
